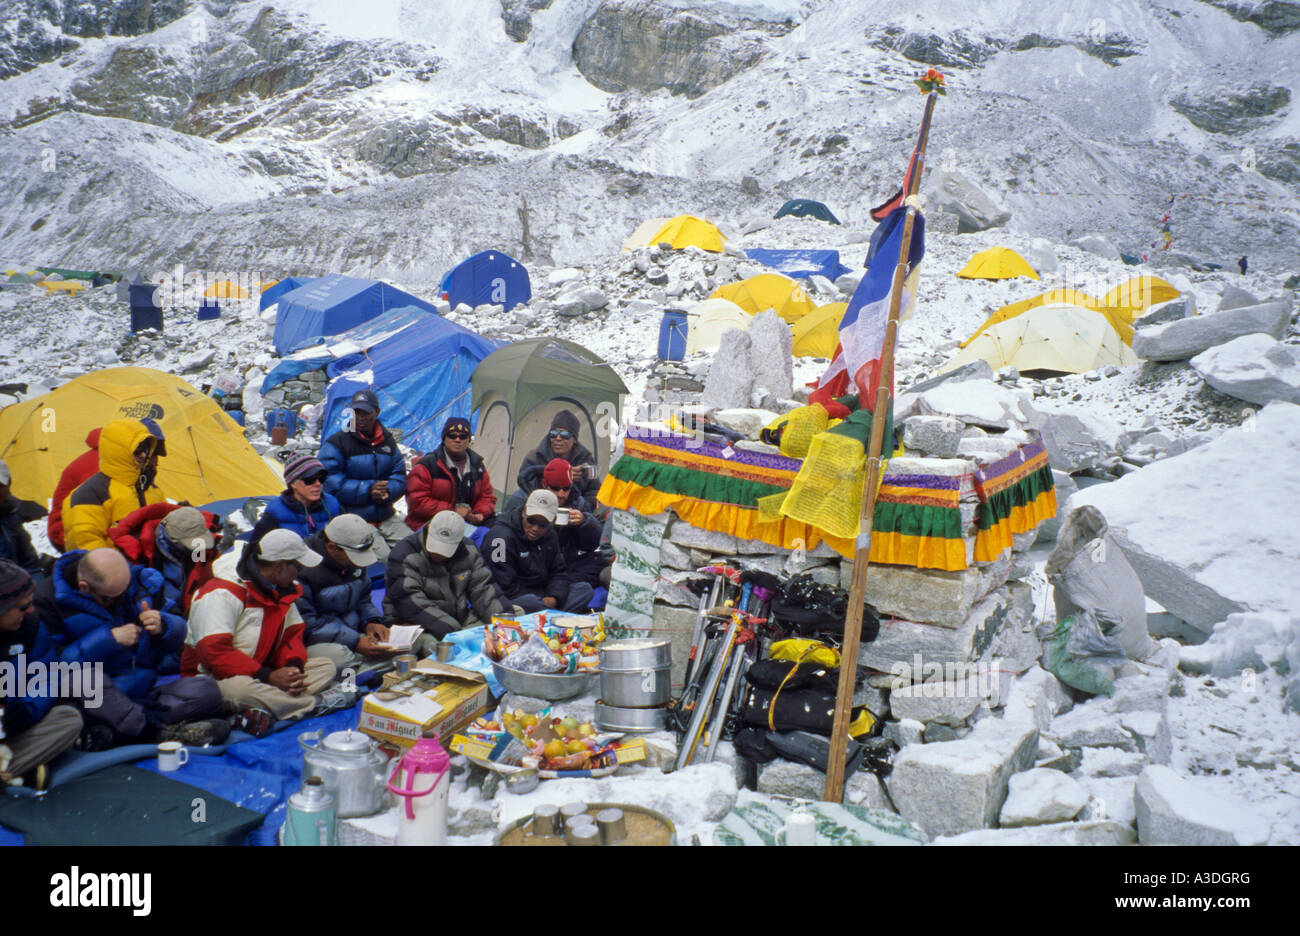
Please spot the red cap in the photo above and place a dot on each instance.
(558, 473)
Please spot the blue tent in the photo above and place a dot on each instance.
(362, 338)
(486, 278)
(273, 292)
(332, 304)
(807, 208)
(800, 263)
(420, 369)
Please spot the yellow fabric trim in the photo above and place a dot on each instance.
(921, 552)
(990, 543)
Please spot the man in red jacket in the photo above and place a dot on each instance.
(451, 477)
(81, 469)
(247, 633)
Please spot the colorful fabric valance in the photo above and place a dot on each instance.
(1016, 494)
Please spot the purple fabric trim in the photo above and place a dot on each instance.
(690, 445)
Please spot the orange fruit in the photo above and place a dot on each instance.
(576, 747)
(555, 748)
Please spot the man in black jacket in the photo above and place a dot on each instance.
(15, 541)
(562, 442)
(527, 560)
(340, 621)
(579, 531)
(365, 470)
(437, 579)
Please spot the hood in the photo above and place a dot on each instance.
(117, 444)
(92, 438)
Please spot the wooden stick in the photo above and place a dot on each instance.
(834, 789)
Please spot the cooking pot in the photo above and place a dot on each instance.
(635, 673)
(351, 768)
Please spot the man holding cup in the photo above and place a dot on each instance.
(562, 442)
(524, 554)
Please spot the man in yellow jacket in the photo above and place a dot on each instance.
(129, 450)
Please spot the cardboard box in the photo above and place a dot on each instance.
(443, 700)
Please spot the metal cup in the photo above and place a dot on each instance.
(546, 820)
(611, 825)
(446, 650)
(523, 781)
(403, 663)
(585, 833)
(570, 811)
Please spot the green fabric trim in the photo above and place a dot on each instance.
(857, 425)
(918, 520)
(1025, 491)
(690, 482)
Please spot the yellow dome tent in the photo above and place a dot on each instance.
(225, 289)
(707, 320)
(1120, 319)
(647, 229)
(1060, 337)
(207, 458)
(818, 332)
(768, 291)
(1139, 293)
(997, 263)
(689, 231)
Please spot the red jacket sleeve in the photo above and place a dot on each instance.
(292, 650)
(485, 500)
(219, 655)
(420, 505)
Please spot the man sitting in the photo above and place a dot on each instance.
(579, 531)
(527, 561)
(561, 442)
(106, 611)
(340, 619)
(437, 579)
(246, 632)
(451, 477)
(15, 542)
(129, 450)
(36, 727)
(179, 542)
(365, 469)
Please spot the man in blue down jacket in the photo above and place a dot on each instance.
(105, 611)
(365, 469)
(341, 620)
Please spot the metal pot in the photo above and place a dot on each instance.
(629, 720)
(636, 673)
(351, 768)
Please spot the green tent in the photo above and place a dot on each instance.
(518, 389)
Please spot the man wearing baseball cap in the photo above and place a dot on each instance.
(36, 728)
(527, 561)
(341, 620)
(365, 469)
(436, 578)
(247, 633)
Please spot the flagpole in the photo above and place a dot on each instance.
(834, 789)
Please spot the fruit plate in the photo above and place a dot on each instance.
(505, 769)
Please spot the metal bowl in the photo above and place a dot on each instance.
(561, 686)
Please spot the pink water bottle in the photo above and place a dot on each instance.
(421, 780)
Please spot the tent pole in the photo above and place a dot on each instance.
(834, 789)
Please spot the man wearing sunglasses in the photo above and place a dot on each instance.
(246, 632)
(341, 621)
(527, 560)
(562, 442)
(579, 531)
(129, 450)
(451, 477)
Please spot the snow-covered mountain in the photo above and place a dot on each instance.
(394, 137)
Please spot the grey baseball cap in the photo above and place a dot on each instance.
(445, 532)
(286, 544)
(358, 539)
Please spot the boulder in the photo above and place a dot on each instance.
(580, 301)
(936, 436)
(904, 732)
(1234, 297)
(1111, 762)
(770, 361)
(972, 370)
(1254, 368)
(1090, 725)
(683, 534)
(974, 402)
(953, 193)
(1151, 731)
(899, 641)
(1174, 810)
(1039, 796)
(1074, 445)
(729, 386)
(1186, 338)
(1110, 798)
(1097, 832)
(1098, 244)
(952, 787)
(1037, 697)
(1203, 539)
(942, 702)
(1041, 254)
(847, 283)
(930, 595)
(676, 624)
(674, 556)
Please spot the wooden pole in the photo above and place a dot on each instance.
(834, 789)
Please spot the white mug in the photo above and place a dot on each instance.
(561, 517)
(172, 755)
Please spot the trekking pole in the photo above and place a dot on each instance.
(696, 634)
(724, 700)
(687, 749)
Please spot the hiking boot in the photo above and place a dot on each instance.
(257, 722)
(197, 733)
(335, 700)
(94, 738)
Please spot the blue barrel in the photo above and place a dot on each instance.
(208, 311)
(237, 415)
(672, 336)
(282, 417)
(145, 312)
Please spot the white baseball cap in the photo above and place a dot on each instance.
(358, 539)
(542, 503)
(446, 530)
(285, 544)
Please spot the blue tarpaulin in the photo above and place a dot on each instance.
(273, 292)
(420, 371)
(487, 278)
(333, 304)
(800, 263)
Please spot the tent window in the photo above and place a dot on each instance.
(558, 352)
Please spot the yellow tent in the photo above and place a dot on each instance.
(689, 231)
(1139, 293)
(997, 263)
(707, 321)
(207, 458)
(225, 289)
(71, 287)
(768, 291)
(646, 230)
(1060, 337)
(818, 332)
(1120, 319)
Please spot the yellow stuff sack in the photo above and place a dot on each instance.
(799, 650)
